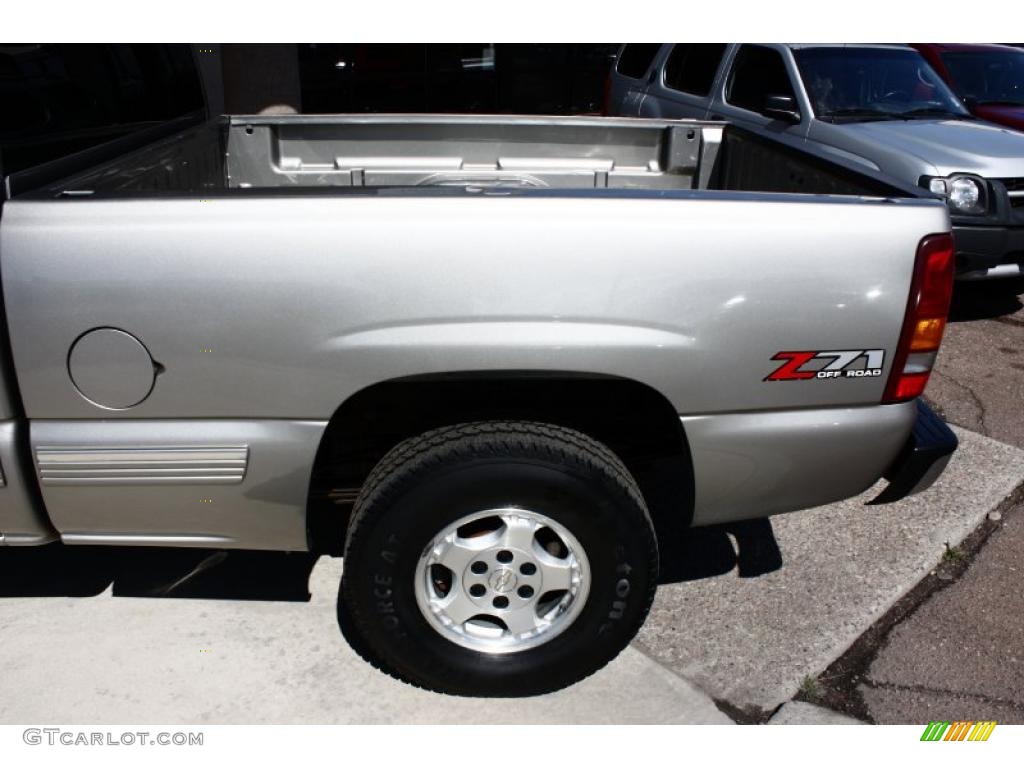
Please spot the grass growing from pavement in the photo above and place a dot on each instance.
(810, 688)
(953, 554)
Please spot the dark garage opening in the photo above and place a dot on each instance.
(468, 77)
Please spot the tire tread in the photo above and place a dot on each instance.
(417, 457)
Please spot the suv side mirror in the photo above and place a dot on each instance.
(781, 108)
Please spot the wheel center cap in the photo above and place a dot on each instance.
(503, 580)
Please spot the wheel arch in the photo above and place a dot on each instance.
(636, 421)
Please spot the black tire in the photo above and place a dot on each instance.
(427, 483)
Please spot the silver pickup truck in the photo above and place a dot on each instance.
(494, 360)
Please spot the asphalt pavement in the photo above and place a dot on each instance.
(978, 381)
(960, 654)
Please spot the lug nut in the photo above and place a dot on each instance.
(479, 567)
(500, 602)
(527, 569)
(504, 556)
(478, 590)
(525, 592)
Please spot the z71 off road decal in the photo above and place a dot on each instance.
(808, 365)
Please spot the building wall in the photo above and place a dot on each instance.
(348, 77)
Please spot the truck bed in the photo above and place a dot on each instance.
(190, 321)
(428, 154)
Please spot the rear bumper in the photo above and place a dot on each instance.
(988, 252)
(760, 463)
(923, 458)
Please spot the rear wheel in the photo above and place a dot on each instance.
(497, 559)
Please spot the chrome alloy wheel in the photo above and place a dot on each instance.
(502, 580)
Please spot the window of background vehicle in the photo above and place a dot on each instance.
(691, 67)
(636, 58)
(757, 72)
(988, 76)
(875, 82)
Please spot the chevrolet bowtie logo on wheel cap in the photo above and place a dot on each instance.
(960, 730)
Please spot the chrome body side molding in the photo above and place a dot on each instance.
(142, 540)
(142, 466)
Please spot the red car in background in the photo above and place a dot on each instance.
(988, 78)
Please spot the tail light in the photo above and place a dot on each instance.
(931, 290)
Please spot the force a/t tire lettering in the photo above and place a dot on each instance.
(512, 473)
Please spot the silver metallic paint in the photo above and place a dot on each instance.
(437, 150)
(268, 311)
(22, 521)
(266, 510)
(111, 368)
(749, 465)
(906, 150)
(304, 301)
(7, 396)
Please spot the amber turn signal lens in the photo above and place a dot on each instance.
(927, 334)
(931, 289)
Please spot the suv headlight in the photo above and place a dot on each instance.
(965, 194)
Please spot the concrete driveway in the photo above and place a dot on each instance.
(107, 659)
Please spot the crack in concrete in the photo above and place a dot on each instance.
(744, 715)
(982, 414)
(842, 678)
(995, 700)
